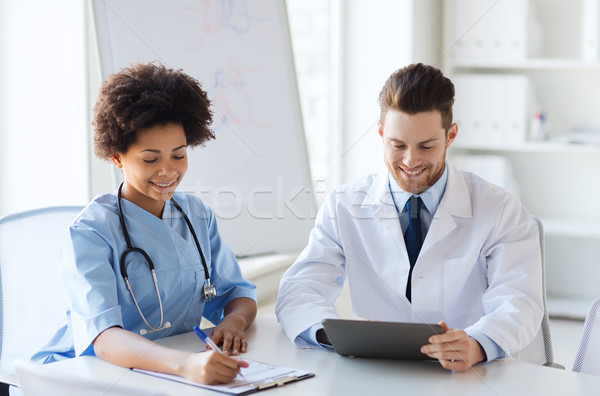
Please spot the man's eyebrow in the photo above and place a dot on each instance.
(429, 141)
(423, 142)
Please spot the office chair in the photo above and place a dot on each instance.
(32, 300)
(540, 351)
(587, 359)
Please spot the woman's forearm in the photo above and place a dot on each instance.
(244, 308)
(131, 350)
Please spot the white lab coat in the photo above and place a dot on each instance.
(479, 268)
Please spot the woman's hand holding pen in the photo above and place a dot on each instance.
(211, 367)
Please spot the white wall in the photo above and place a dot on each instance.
(378, 37)
(43, 133)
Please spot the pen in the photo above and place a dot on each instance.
(208, 341)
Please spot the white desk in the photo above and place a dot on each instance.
(338, 375)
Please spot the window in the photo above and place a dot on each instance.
(43, 104)
(310, 33)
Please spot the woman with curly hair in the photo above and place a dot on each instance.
(146, 262)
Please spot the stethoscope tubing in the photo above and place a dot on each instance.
(209, 290)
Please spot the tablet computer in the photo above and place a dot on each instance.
(390, 340)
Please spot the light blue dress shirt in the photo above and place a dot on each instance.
(431, 199)
(97, 294)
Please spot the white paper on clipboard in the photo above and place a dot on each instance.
(258, 376)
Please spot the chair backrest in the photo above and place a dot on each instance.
(540, 349)
(36, 379)
(32, 300)
(587, 359)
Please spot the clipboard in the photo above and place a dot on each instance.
(258, 376)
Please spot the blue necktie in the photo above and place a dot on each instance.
(413, 236)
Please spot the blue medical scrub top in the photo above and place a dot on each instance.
(97, 293)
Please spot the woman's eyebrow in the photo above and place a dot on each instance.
(158, 151)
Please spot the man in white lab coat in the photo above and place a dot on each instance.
(478, 271)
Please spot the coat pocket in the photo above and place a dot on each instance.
(463, 291)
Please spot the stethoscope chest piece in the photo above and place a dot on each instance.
(210, 291)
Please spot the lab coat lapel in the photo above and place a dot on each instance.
(385, 213)
(456, 202)
(391, 265)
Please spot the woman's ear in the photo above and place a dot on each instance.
(116, 159)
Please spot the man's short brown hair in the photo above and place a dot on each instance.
(418, 88)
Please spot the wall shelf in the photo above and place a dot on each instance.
(265, 272)
(529, 147)
(568, 307)
(568, 65)
(572, 228)
(557, 181)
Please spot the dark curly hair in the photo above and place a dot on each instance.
(145, 95)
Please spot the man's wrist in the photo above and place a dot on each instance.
(482, 355)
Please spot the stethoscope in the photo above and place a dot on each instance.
(210, 291)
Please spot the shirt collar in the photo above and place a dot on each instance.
(431, 197)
